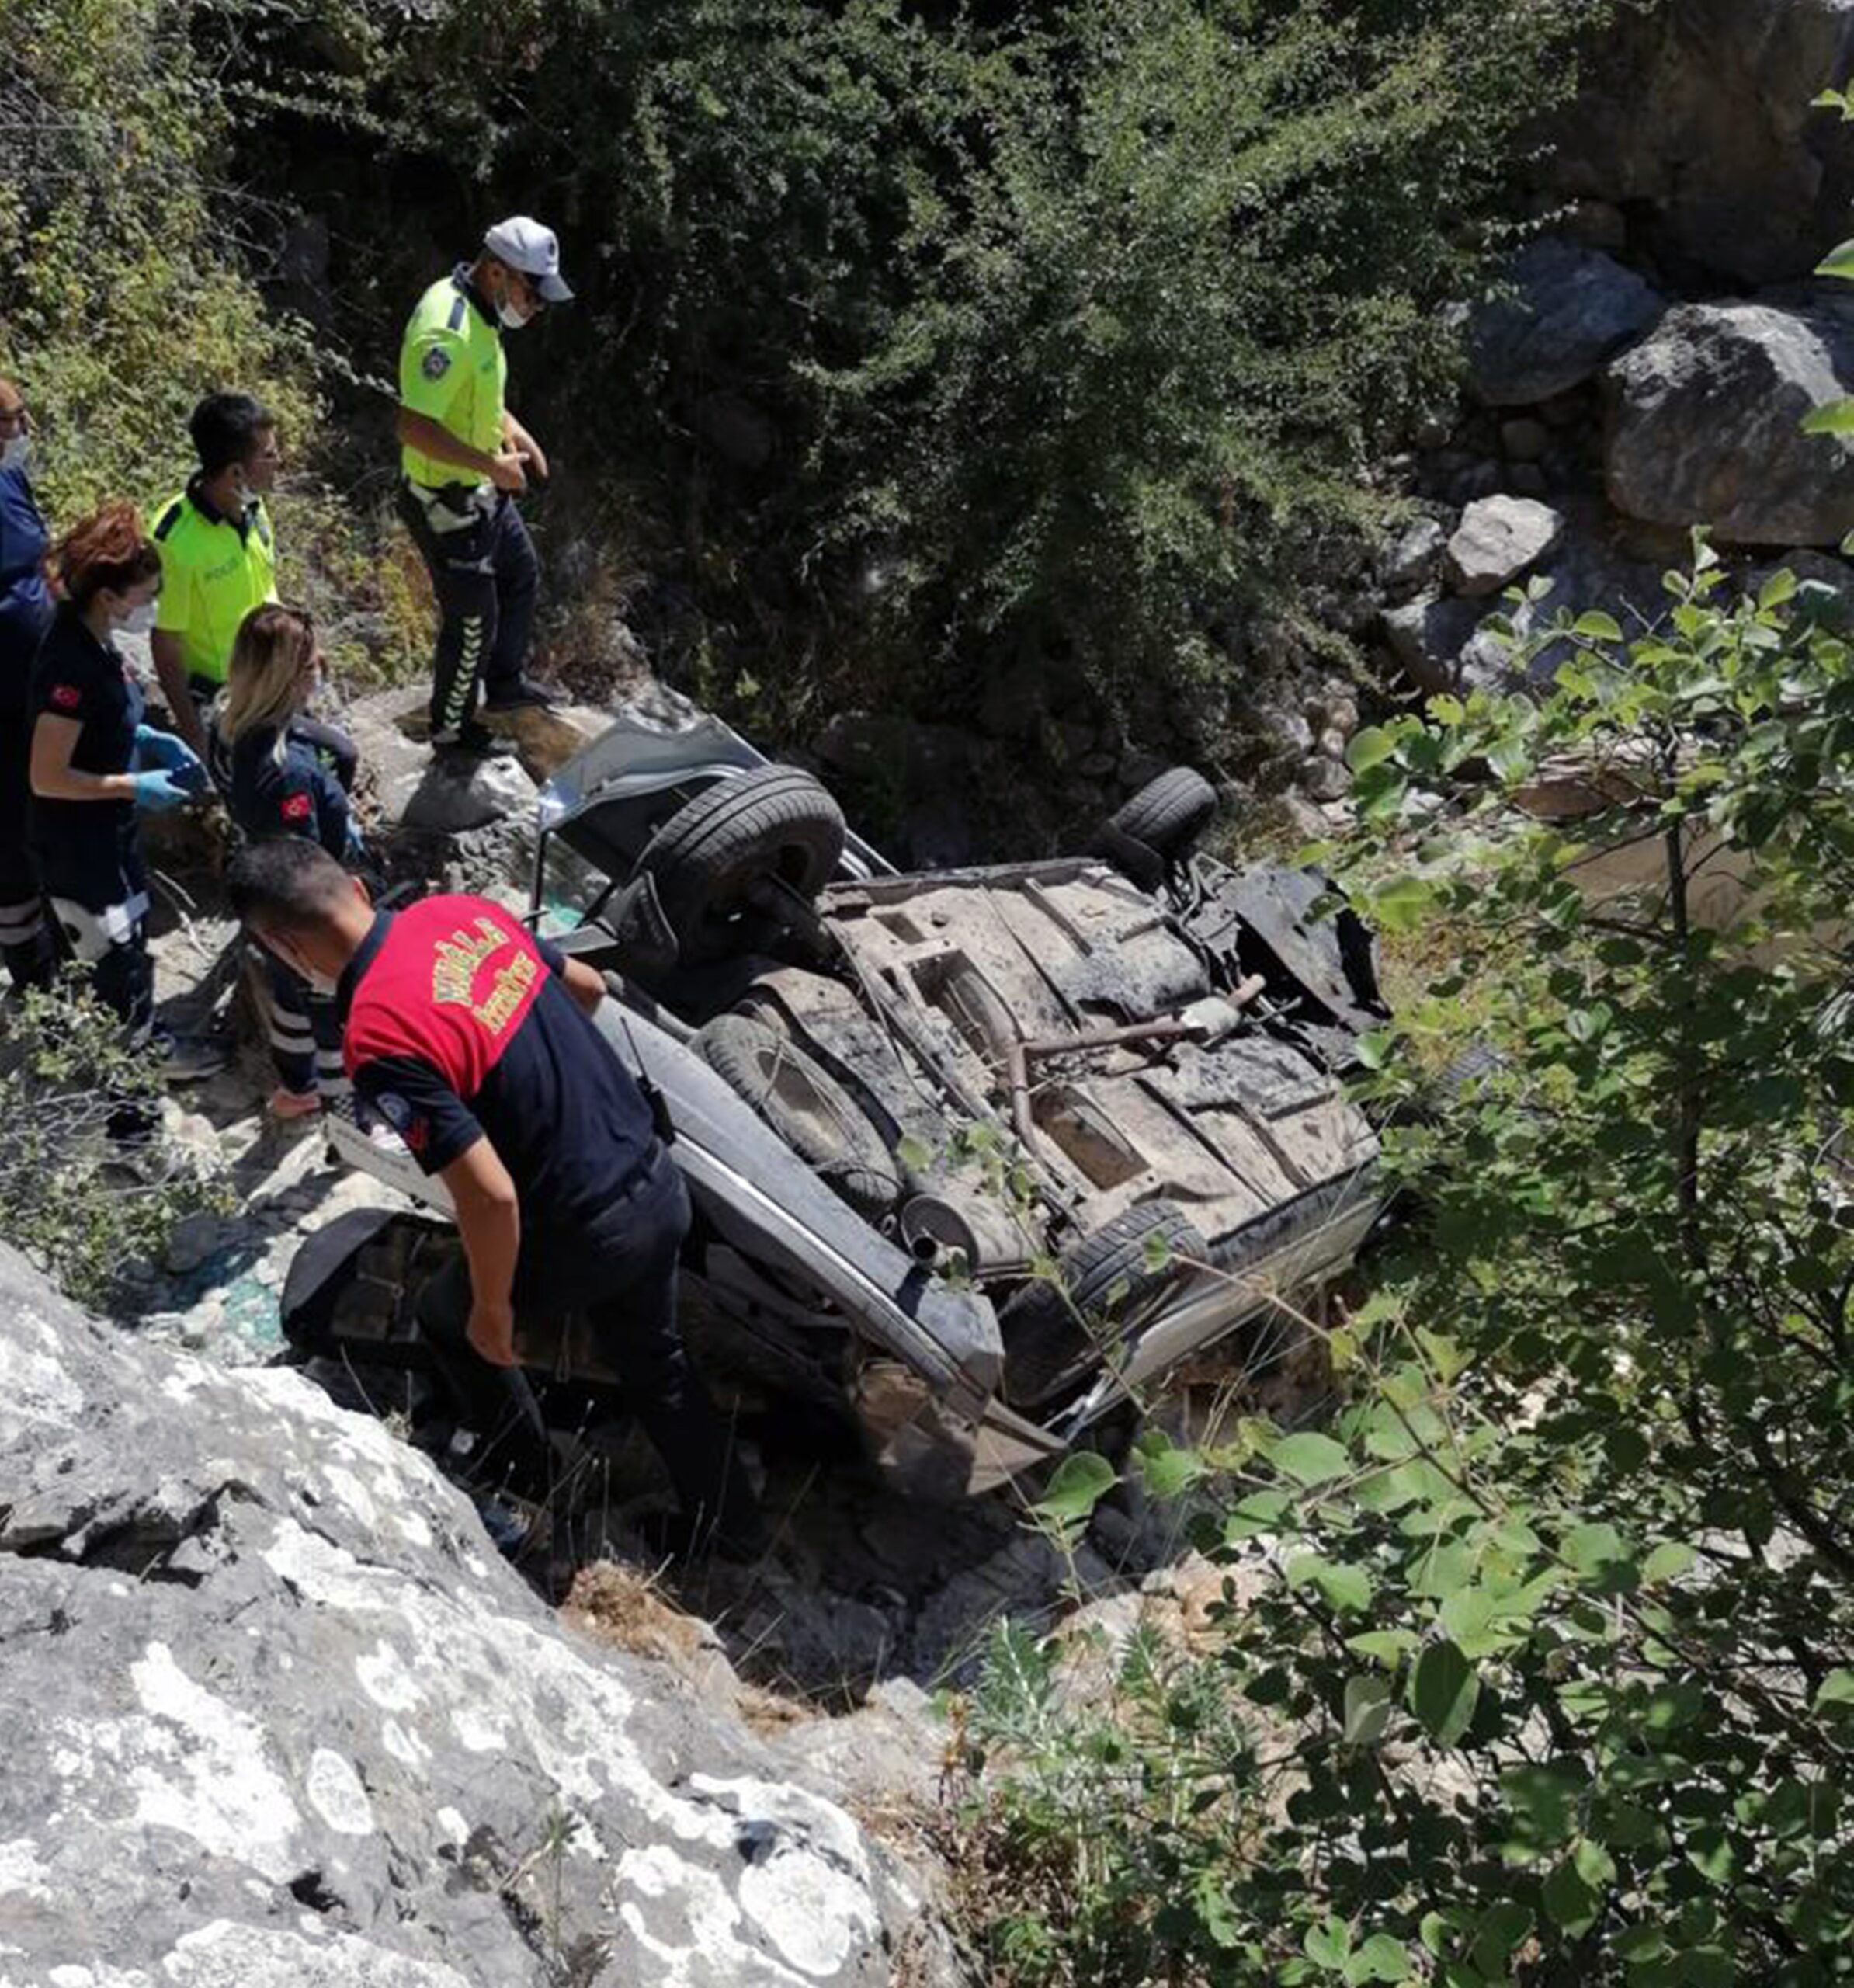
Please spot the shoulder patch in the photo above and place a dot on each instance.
(437, 364)
(295, 807)
(169, 518)
(67, 696)
(403, 1119)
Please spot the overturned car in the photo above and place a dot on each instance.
(977, 1156)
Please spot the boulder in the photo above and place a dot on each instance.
(451, 797)
(1414, 557)
(1705, 422)
(1697, 116)
(1587, 571)
(1497, 539)
(1326, 780)
(1568, 310)
(391, 729)
(1427, 634)
(274, 1712)
(1443, 644)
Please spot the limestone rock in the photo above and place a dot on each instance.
(1496, 540)
(1587, 570)
(1427, 634)
(390, 728)
(1697, 117)
(274, 1712)
(1414, 559)
(453, 796)
(1570, 310)
(1706, 418)
(1325, 778)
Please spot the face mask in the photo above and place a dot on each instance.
(512, 316)
(16, 453)
(318, 983)
(138, 620)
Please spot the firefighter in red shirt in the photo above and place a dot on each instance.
(474, 1040)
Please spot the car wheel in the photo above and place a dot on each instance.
(806, 1106)
(1106, 1284)
(711, 860)
(1167, 816)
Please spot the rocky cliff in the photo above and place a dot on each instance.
(273, 1713)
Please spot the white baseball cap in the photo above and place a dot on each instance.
(524, 244)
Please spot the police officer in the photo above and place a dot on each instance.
(26, 610)
(473, 1040)
(218, 555)
(95, 765)
(465, 459)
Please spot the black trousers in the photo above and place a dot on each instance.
(487, 579)
(97, 886)
(303, 1030)
(26, 943)
(619, 1269)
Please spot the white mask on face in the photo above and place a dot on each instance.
(513, 316)
(16, 453)
(138, 620)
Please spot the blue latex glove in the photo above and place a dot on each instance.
(164, 750)
(157, 791)
(356, 849)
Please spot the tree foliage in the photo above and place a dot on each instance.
(1550, 1673)
(930, 338)
(122, 293)
(88, 1211)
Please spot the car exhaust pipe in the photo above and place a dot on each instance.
(947, 1223)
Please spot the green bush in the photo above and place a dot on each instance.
(928, 340)
(123, 297)
(1541, 1667)
(70, 1197)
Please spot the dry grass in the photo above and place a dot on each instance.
(624, 1608)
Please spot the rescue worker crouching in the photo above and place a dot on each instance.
(474, 1041)
(96, 765)
(282, 780)
(464, 459)
(26, 612)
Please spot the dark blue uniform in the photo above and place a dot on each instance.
(89, 853)
(26, 612)
(459, 1027)
(290, 793)
(300, 790)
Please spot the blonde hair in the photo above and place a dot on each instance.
(265, 684)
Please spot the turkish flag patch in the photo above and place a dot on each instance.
(295, 807)
(67, 696)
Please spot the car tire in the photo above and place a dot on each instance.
(776, 824)
(1167, 815)
(1050, 1329)
(807, 1106)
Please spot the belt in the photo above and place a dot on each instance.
(453, 506)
